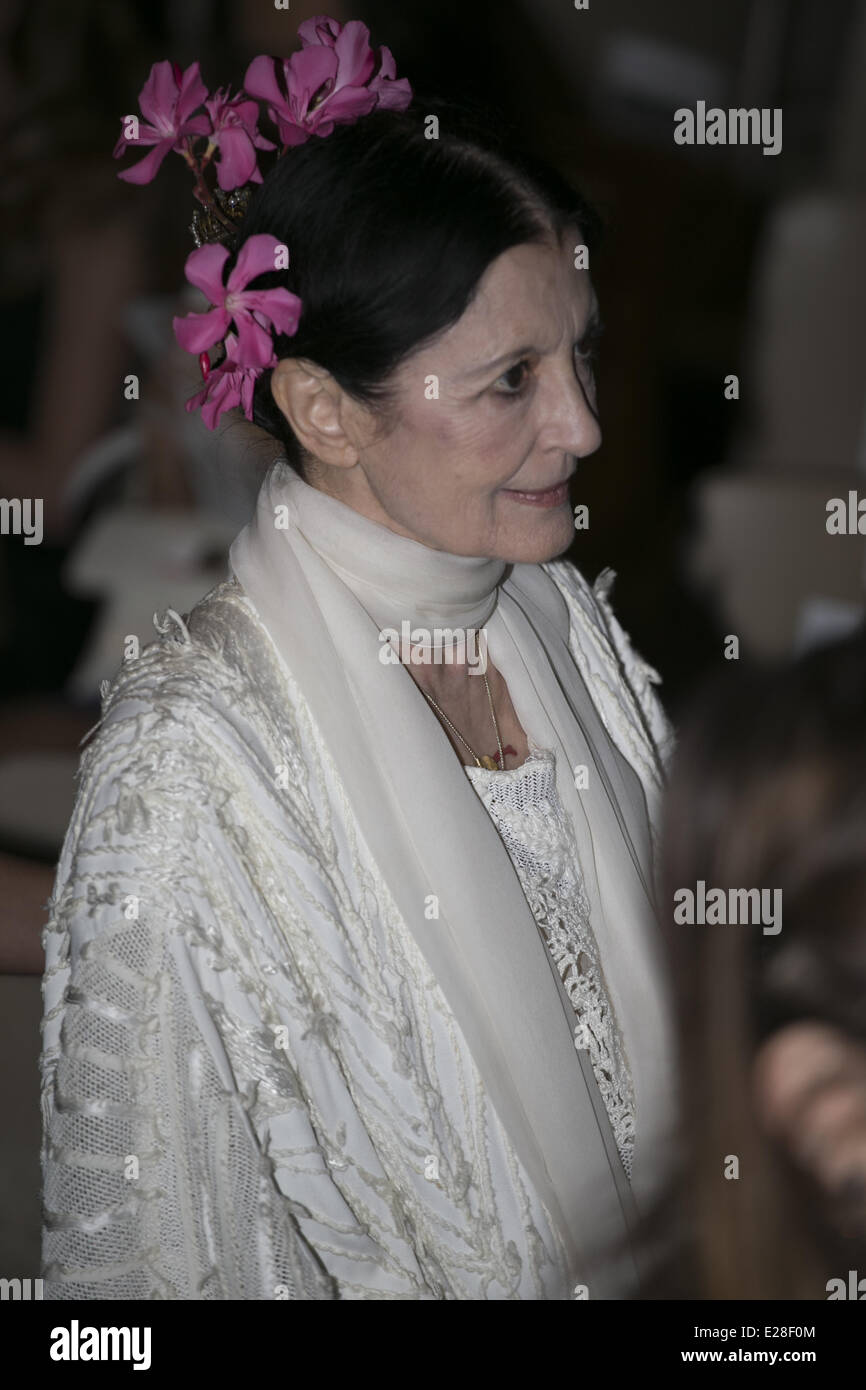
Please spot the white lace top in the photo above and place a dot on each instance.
(525, 807)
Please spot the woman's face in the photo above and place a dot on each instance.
(482, 468)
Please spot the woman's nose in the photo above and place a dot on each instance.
(571, 411)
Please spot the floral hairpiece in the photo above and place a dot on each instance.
(335, 78)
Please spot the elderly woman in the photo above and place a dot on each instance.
(352, 987)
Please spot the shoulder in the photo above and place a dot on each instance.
(206, 668)
(593, 620)
(200, 712)
(604, 651)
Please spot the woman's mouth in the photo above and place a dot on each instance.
(546, 497)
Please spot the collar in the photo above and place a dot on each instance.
(393, 577)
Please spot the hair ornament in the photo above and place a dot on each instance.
(336, 77)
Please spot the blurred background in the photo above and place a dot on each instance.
(718, 261)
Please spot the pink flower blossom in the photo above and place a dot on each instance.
(336, 77)
(254, 312)
(234, 130)
(393, 94)
(229, 385)
(167, 100)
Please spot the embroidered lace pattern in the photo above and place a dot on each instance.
(537, 832)
(252, 1084)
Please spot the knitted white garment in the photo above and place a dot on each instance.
(524, 805)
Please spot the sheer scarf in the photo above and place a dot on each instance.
(325, 581)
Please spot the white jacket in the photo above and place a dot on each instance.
(253, 1086)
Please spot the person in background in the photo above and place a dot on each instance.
(767, 789)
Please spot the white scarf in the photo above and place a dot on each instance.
(324, 586)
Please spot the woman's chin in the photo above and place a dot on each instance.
(543, 540)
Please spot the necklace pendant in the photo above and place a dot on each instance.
(490, 763)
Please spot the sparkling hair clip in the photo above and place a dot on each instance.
(336, 77)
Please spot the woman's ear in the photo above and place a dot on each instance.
(318, 410)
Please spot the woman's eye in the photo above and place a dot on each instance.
(515, 379)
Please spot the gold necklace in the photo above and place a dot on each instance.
(485, 760)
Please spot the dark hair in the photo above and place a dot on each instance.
(767, 789)
(389, 233)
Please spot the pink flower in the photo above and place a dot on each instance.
(254, 312)
(336, 77)
(229, 385)
(393, 95)
(235, 131)
(168, 99)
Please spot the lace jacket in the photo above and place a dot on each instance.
(252, 1085)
